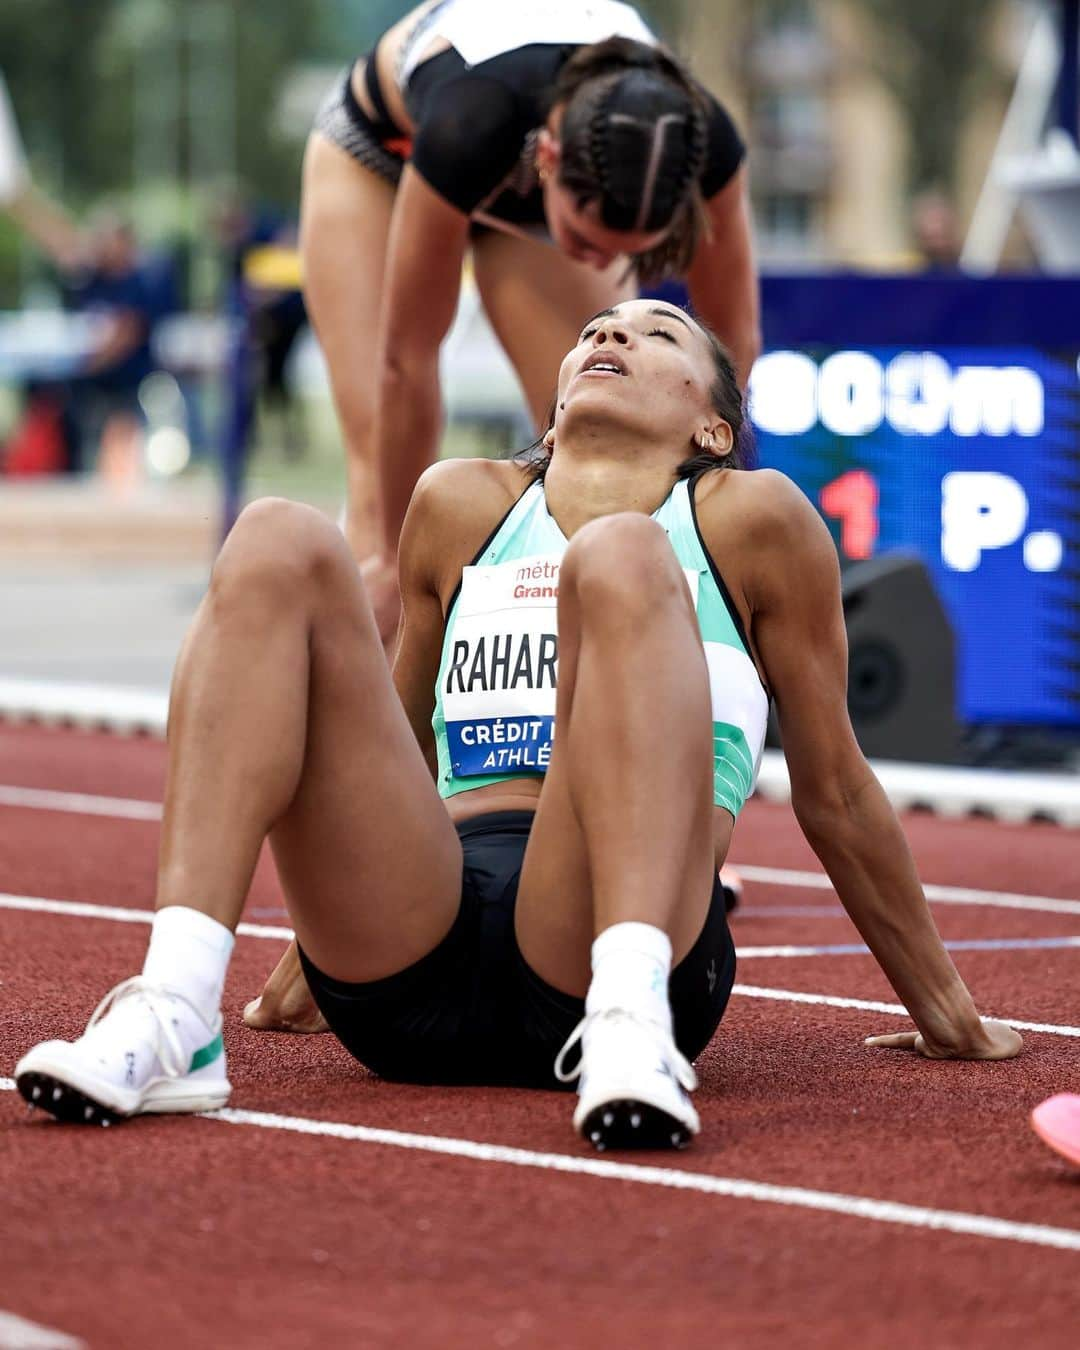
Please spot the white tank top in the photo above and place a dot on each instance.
(479, 30)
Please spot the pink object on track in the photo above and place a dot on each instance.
(1057, 1122)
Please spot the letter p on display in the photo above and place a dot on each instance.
(979, 511)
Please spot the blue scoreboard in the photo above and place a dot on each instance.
(942, 414)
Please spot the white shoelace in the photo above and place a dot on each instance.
(670, 1053)
(167, 1047)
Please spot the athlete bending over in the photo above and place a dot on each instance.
(453, 846)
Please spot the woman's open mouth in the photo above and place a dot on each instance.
(600, 363)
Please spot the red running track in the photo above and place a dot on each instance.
(180, 1232)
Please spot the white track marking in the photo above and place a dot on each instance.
(79, 803)
(16, 1333)
(942, 895)
(953, 945)
(126, 809)
(881, 1211)
(122, 808)
(76, 909)
(869, 1005)
(855, 1206)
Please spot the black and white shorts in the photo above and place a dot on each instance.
(342, 120)
(472, 1010)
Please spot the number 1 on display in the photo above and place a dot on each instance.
(853, 500)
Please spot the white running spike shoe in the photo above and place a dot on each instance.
(146, 1049)
(633, 1083)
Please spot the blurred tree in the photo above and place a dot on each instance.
(73, 68)
(936, 59)
(68, 116)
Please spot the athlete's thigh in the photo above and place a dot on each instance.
(538, 300)
(367, 856)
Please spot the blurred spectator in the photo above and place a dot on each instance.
(127, 296)
(935, 230)
(263, 292)
(95, 398)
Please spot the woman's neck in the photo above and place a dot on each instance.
(579, 489)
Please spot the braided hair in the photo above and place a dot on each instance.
(634, 137)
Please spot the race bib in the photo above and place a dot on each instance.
(499, 684)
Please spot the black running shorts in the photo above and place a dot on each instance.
(472, 1011)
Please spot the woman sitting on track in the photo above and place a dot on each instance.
(447, 865)
(497, 130)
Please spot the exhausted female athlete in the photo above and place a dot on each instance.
(587, 640)
(504, 129)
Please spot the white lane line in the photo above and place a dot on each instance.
(953, 945)
(16, 1333)
(127, 809)
(123, 808)
(942, 895)
(855, 1206)
(77, 909)
(870, 1005)
(79, 803)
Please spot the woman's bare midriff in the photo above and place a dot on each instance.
(389, 50)
(523, 794)
(517, 794)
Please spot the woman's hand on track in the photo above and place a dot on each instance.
(285, 1003)
(996, 1041)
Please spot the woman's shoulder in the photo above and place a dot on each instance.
(462, 495)
(761, 504)
(455, 506)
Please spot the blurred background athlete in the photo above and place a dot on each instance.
(504, 130)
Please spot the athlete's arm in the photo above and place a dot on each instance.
(723, 279)
(792, 585)
(456, 505)
(427, 242)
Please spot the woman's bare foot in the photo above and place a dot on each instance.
(285, 1003)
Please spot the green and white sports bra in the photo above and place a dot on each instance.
(494, 716)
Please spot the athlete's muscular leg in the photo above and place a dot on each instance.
(344, 224)
(284, 722)
(538, 300)
(624, 826)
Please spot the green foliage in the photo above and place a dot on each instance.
(110, 91)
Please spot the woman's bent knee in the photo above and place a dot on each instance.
(281, 550)
(623, 560)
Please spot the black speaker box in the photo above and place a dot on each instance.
(901, 662)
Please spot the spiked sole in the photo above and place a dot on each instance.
(75, 1106)
(631, 1124)
(63, 1101)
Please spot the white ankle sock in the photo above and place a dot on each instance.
(631, 963)
(189, 951)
